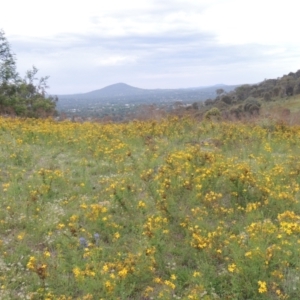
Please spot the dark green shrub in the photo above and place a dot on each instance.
(252, 105)
(226, 99)
(213, 113)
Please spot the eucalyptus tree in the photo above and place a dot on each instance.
(22, 96)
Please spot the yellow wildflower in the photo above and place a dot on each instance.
(76, 272)
(21, 236)
(170, 284)
(31, 263)
(173, 277)
(231, 268)
(123, 273)
(262, 287)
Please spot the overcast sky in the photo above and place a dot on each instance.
(87, 45)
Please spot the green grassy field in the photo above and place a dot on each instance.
(176, 209)
(291, 103)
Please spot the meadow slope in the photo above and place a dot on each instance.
(175, 209)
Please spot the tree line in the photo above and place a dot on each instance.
(247, 99)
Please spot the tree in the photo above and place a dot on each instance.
(237, 111)
(227, 99)
(243, 92)
(22, 96)
(195, 105)
(297, 87)
(7, 62)
(267, 96)
(219, 91)
(208, 102)
(252, 105)
(289, 90)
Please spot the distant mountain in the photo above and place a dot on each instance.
(123, 89)
(114, 90)
(121, 93)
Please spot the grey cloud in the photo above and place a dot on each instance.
(174, 60)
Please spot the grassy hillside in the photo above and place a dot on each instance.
(175, 209)
(292, 103)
